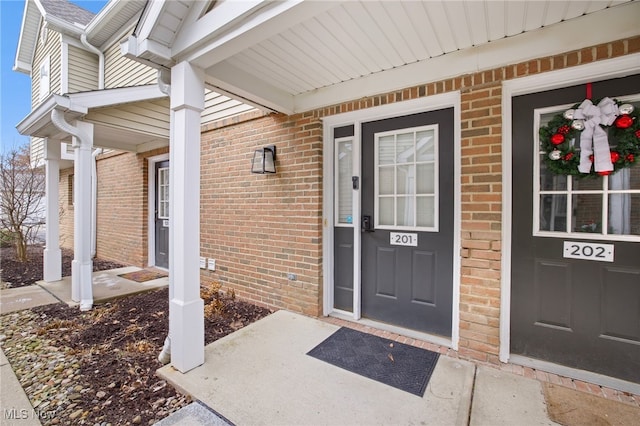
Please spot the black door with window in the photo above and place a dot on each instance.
(581, 313)
(162, 214)
(407, 208)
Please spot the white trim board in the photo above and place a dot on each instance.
(602, 70)
(151, 191)
(356, 118)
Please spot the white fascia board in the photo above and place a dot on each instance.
(270, 20)
(22, 67)
(123, 95)
(42, 114)
(150, 17)
(101, 20)
(244, 86)
(225, 15)
(19, 64)
(562, 37)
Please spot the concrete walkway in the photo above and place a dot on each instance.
(15, 408)
(261, 375)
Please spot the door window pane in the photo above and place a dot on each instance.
(553, 213)
(163, 193)
(405, 170)
(605, 207)
(344, 186)
(587, 213)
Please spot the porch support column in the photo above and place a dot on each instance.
(186, 308)
(52, 261)
(82, 265)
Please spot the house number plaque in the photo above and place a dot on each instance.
(588, 251)
(403, 239)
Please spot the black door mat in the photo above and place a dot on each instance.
(404, 367)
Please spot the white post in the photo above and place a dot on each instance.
(82, 265)
(52, 270)
(186, 308)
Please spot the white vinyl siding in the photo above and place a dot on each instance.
(53, 49)
(83, 70)
(143, 117)
(123, 72)
(218, 107)
(44, 74)
(37, 152)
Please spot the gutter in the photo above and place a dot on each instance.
(83, 39)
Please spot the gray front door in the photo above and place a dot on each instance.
(407, 221)
(162, 214)
(582, 313)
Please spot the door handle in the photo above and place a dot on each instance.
(366, 225)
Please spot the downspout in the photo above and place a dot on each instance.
(94, 201)
(83, 39)
(57, 118)
(94, 173)
(164, 84)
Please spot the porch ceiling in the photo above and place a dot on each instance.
(294, 56)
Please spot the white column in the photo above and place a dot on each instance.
(82, 265)
(186, 308)
(52, 268)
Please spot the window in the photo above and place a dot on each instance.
(163, 193)
(605, 208)
(44, 78)
(406, 179)
(70, 191)
(344, 186)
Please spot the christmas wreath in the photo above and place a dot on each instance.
(592, 139)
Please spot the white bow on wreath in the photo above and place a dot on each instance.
(593, 139)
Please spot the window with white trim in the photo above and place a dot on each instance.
(44, 78)
(602, 208)
(406, 179)
(343, 185)
(163, 193)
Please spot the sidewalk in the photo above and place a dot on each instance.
(261, 375)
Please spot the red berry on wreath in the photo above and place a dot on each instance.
(630, 158)
(614, 157)
(605, 173)
(591, 158)
(637, 133)
(568, 156)
(557, 139)
(563, 130)
(624, 122)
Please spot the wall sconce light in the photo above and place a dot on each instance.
(264, 160)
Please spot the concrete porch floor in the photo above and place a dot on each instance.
(262, 375)
(107, 285)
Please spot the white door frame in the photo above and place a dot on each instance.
(151, 197)
(356, 118)
(601, 70)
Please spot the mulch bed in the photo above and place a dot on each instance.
(19, 274)
(109, 352)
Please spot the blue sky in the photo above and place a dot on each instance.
(15, 88)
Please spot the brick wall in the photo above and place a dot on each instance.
(244, 210)
(259, 228)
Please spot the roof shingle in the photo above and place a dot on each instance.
(65, 10)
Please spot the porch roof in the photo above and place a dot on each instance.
(146, 125)
(294, 56)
